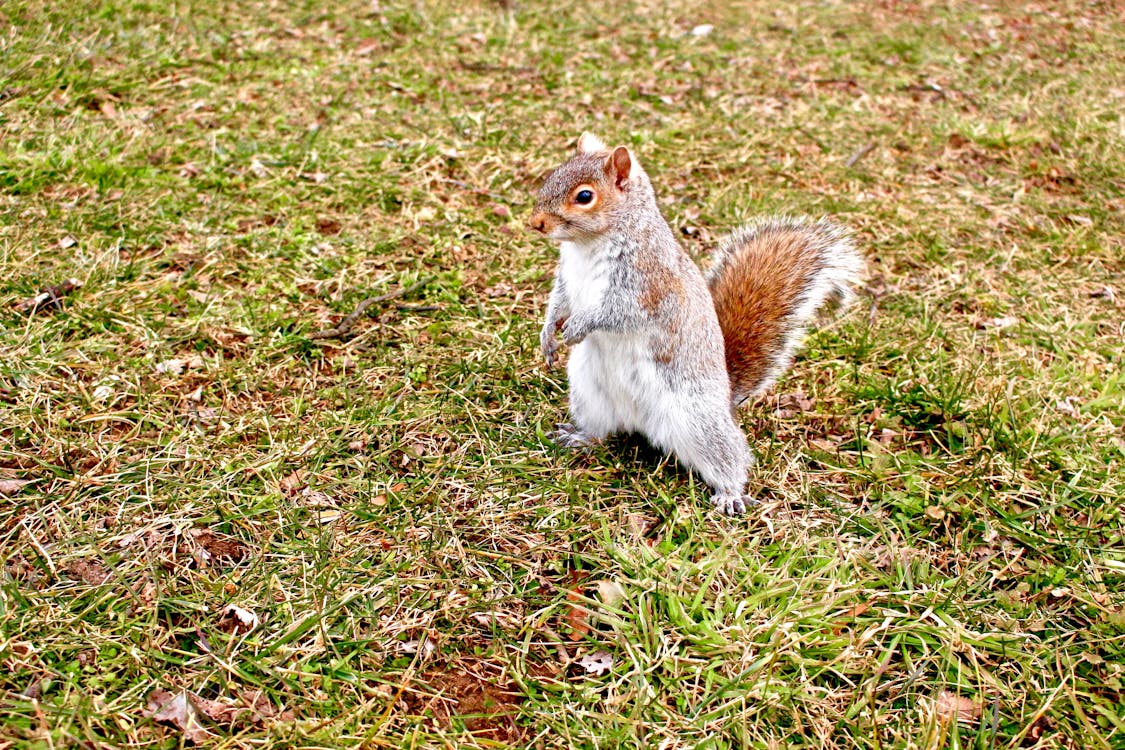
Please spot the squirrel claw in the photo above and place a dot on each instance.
(732, 505)
(549, 346)
(570, 436)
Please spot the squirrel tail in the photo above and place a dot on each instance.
(768, 279)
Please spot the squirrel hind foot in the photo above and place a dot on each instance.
(732, 505)
(573, 437)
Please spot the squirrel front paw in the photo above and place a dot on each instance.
(732, 505)
(549, 345)
(574, 332)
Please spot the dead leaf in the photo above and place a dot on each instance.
(220, 712)
(791, 404)
(1068, 406)
(610, 592)
(295, 482)
(996, 323)
(171, 366)
(328, 226)
(91, 572)
(263, 707)
(577, 617)
(211, 548)
(1103, 292)
(266, 220)
(381, 499)
(186, 711)
(829, 445)
(639, 524)
(67, 242)
(423, 646)
(179, 711)
(367, 46)
(951, 707)
(597, 663)
(12, 487)
(235, 619)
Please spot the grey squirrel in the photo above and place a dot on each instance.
(657, 347)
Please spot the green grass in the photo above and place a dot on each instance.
(942, 474)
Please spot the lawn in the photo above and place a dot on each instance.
(234, 513)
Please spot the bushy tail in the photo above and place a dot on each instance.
(768, 280)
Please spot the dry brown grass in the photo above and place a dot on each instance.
(939, 556)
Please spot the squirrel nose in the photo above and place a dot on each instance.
(538, 222)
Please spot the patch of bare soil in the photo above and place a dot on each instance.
(486, 706)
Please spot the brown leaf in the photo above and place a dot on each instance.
(235, 619)
(597, 663)
(171, 367)
(186, 711)
(179, 711)
(790, 404)
(367, 46)
(211, 548)
(267, 220)
(295, 482)
(12, 487)
(610, 593)
(220, 712)
(262, 707)
(951, 707)
(578, 617)
(328, 226)
(91, 572)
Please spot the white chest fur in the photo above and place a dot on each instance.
(613, 370)
(584, 274)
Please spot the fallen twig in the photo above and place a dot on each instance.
(858, 154)
(346, 324)
(417, 308)
(51, 297)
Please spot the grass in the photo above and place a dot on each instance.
(939, 557)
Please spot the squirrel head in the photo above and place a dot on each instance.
(587, 196)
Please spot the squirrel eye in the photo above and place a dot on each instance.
(582, 197)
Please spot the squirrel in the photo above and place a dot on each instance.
(659, 348)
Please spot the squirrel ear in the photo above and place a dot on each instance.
(588, 143)
(618, 166)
